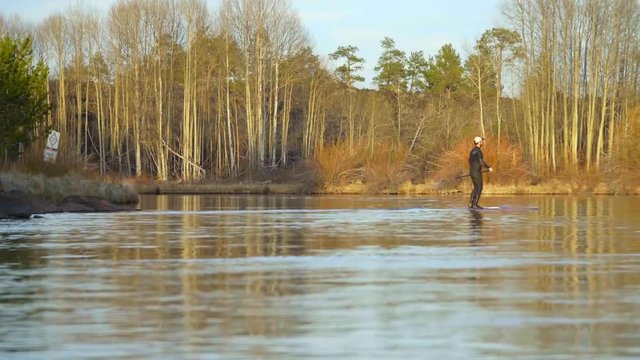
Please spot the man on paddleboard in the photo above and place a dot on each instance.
(476, 163)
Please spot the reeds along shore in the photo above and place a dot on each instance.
(56, 189)
(182, 92)
(125, 191)
(23, 195)
(552, 187)
(334, 170)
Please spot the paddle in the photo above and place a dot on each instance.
(441, 182)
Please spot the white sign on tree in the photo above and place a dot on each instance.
(51, 150)
(53, 140)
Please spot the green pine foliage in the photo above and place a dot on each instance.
(445, 71)
(417, 70)
(23, 95)
(391, 69)
(348, 71)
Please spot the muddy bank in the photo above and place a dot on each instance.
(240, 188)
(19, 205)
(550, 187)
(25, 195)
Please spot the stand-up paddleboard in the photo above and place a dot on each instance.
(507, 208)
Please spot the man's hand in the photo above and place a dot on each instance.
(490, 169)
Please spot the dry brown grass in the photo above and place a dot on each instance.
(336, 170)
(68, 176)
(619, 179)
(622, 175)
(336, 165)
(509, 167)
(381, 171)
(386, 169)
(56, 188)
(201, 189)
(32, 162)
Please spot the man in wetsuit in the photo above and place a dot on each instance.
(476, 163)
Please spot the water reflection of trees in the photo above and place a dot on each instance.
(582, 245)
(568, 232)
(233, 303)
(20, 257)
(206, 281)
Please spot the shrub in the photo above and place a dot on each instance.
(382, 169)
(386, 168)
(624, 161)
(23, 94)
(506, 160)
(55, 189)
(32, 162)
(336, 165)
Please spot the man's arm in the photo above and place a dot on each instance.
(484, 163)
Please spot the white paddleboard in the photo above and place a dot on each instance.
(508, 208)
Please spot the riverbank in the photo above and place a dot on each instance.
(213, 188)
(550, 187)
(24, 195)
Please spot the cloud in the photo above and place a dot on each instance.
(432, 43)
(38, 10)
(315, 17)
(358, 35)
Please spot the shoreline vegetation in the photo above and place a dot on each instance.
(551, 187)
(24, 194)
(175, 97)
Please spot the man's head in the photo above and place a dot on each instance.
(478, 141)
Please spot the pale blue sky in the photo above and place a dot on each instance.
(413, 24)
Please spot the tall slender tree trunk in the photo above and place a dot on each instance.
(137, 121)
(284, 145)
(233, 168)
(273, 128)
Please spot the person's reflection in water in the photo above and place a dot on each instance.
(476, 225)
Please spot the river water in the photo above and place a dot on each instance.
(349, 277)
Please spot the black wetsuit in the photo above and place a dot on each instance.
(476, 162)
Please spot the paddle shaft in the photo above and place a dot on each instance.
(461, 176)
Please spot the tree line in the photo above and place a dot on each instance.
(171, 89)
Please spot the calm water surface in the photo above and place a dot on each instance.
(294, 277)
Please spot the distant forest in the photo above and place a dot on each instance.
(173, 90)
